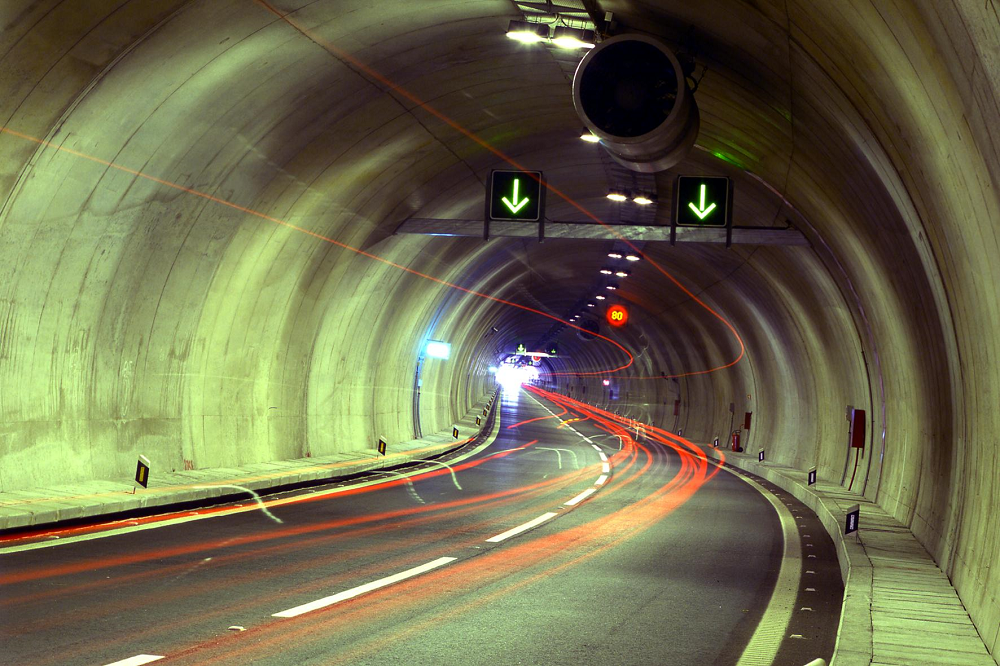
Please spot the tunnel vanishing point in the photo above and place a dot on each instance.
(201, 205)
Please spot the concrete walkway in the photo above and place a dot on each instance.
(39, 507)
(899, 607)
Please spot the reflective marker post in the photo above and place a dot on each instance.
(141, 472)
(853, 518)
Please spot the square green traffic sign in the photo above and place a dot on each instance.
(516, 195)
(702, 201)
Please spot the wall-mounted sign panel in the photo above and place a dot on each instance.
(702, 201)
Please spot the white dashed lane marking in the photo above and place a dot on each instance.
(522, 528)
(582, 496)
(362, 589)
(137, 660)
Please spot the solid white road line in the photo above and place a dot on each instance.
(362, 589)
(522, 528)
(582, 496)
(596, 447)
(604, 458)
(606, 468)
(137, 660)
(601, 479)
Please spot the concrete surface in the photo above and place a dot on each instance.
(197, 259)
(900, 609)
(49, 506)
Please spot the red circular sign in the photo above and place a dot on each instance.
(617, 315)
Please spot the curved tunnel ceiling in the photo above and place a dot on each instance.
(186, 185)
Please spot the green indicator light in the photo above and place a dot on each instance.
(516, 196)
(513, 203)
(702, 201)
(701, 211)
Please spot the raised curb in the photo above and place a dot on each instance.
(39, 507)
(859, 641)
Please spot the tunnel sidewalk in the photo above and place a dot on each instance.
(48, 506)
(899, 607)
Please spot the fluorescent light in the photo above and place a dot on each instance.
(642, 201)
(615, 255)
(590, 305)
(617, 196)
(606, 271)
(622, 273)
(590, 137)
(573, 38)
(438, 349)
(527, 33)
(612, 287)
(600, 297)
(633, 257)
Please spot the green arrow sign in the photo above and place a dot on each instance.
(513, 203)
(700, 211)
(515, 195)
(702, 201)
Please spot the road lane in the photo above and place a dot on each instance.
(637, 553)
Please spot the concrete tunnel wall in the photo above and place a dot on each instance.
(137, 317)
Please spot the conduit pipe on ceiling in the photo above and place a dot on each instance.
(630, 91)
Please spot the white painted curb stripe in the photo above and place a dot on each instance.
(137, 660)
(604, 458)
(522, 528)
(582, 496)
(601, 479)
(606, 468)
(362, 589)
(596, 448)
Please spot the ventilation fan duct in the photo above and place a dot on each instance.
(630, 91)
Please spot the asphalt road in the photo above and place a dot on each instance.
(666, 560)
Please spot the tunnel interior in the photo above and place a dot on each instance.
(200, 203)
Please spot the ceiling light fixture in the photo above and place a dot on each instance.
(566, 37)
(606, 271)
(633, 256)
(622, 273)
(590, 305)
(642, 200)
(600, 297)
(612, 287)
(615, 255)
(617, 196)
(527, 33)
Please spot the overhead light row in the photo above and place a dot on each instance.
(563, 36)
(640, 199)
(631, 256)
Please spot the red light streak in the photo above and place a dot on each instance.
(345, 56)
